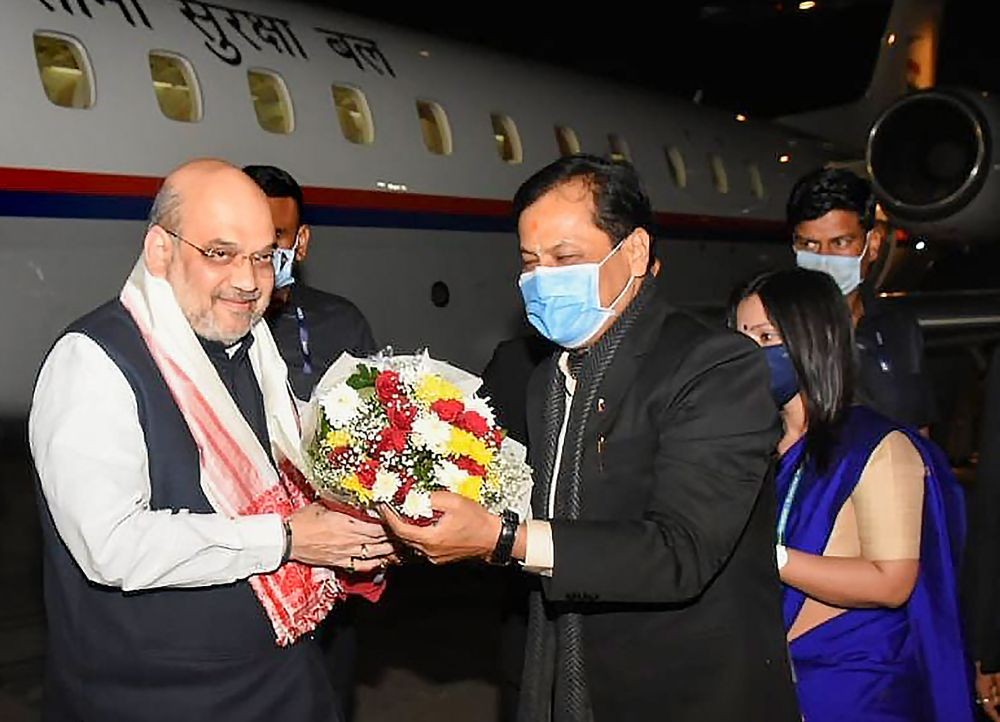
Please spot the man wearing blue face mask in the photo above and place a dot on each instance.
(831, 212)
(311, 327)
(651, 546)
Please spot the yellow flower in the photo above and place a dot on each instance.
(471, 487)
(462, 443)
(434, 388)
(353, 483)
(337, 438)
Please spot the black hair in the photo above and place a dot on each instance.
(830, 189)
(620, 203)
(276, 183)
(814, 321)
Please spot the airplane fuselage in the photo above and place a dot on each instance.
(398, 227)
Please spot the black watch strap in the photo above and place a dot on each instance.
(286, 553)
(509, 522)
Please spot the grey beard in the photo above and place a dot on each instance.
(203, 325)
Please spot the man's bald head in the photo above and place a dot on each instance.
(210, 228)
(193, 179)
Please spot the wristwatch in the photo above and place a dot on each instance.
(509, 522)
(781, 555)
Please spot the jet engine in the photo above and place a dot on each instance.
(932, 157)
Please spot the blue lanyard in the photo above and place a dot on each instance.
(786, 507)
(304, 341)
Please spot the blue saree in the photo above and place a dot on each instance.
(880, 665)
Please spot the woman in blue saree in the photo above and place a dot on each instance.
(870, 525)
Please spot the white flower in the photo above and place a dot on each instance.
(513, 452)
(385, 486)
(448, 475)
(430, 432)
(482, 407)
(418, 505)
(340, 404)
(511, 481)
(409, 374)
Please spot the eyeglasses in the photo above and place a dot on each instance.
(259, 260)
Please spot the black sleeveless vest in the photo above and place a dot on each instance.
(195, 654)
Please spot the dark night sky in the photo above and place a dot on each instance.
(762, 57)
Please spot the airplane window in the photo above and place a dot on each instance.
(569, 144)
(271, 101)
(756, 181)
(618, 148)
(434, 127)
(719, 178)
(176, 87)
(678, 170)
(354, 114)
(507, 138)
(64, 70)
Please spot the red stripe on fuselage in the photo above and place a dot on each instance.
(112, 184)
(61, 181)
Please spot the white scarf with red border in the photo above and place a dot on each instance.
(237, 474)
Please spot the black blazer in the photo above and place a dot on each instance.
(672, 560)
(505, 379)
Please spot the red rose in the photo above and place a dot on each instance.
(391, 440)
(401, 416)
(447, 409)
(470, 467)
(473, 423)
(387, 386)
(366, 473)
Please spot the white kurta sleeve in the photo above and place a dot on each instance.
(90, 454)
(539, 556)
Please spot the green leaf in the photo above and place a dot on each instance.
(423, 468)
(363, 378)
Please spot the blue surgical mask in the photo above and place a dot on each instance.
(845, 270)
(784, 382)
(283, 260)
(564, 302)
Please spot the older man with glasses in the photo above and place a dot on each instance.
(184, 569)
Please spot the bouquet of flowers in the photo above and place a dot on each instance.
(391, 429)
